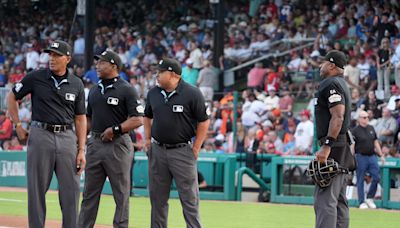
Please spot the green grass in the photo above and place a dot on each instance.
(213, 213)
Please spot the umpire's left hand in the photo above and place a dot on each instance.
(107, 135)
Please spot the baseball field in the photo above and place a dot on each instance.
(214, 214)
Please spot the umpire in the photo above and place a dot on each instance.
(113, 110)
(332, 115)
(175, 112)
(58, 104)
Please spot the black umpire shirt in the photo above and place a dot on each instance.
(365, 138)
(175, 115)
(55, 100)
(332, 91)
(111, 102)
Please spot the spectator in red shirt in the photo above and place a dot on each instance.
(5, 127)
(273, 79)
(15, 145)
(16, 75)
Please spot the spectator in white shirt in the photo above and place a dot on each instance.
(364, 67)
(392, 100)
(43, 60)
(271, 101)
(304, 133)
(196, 56)
(352, 74)
(395, 61)
(32, 59)
(253, 111)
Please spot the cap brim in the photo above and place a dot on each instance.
(48, 50)
(97, 57)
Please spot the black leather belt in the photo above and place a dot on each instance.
(170, 146)
(56, 128)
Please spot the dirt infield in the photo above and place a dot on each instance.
(17, 221)
(7, 221)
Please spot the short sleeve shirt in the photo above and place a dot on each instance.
(332, 91)
(113, 104)
(53, 102)
(175, 115)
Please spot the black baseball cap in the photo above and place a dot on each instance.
(60, 47)
(111, 57)
(170, 65)
(336, 57)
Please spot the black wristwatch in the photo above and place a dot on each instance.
(328, 141)
(116, 130)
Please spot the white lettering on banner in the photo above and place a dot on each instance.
(12, 169)
(296, 162)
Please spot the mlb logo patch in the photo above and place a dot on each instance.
(112, 101)
(70, 97)
(177, 108)
(55, 45)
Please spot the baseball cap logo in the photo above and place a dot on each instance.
(112, 61)
(169, 68)
(331, 59)
(55, 45)
(161, 61)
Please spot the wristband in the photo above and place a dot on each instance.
(117, 129)
(328, 141)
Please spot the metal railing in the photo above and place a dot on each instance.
(276, 53)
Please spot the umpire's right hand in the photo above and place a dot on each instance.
(21, 133)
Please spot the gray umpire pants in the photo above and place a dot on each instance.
(330, 204)
(47, 153)
(181, 165)
(112, 160)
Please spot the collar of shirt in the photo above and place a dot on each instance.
(103, 85)
(66, 78)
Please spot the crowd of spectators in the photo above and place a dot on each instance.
(273, 116)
